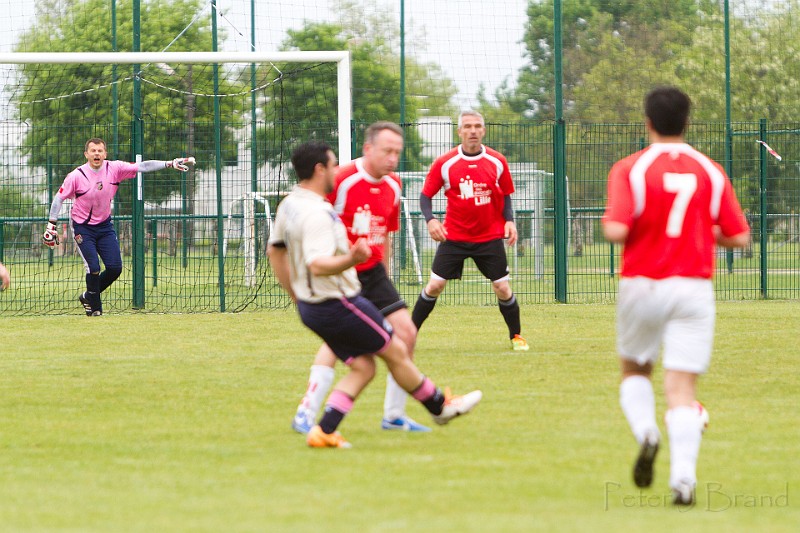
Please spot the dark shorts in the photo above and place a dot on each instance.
(350, 326)
(489, 257)
(379, 289)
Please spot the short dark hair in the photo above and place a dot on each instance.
(93, 140)
(668, 110)
(374, 129)
(307, 155)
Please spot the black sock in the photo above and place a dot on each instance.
(93, 291)
(331, 419)
(422, 308)
(435, 402)
(510, 311)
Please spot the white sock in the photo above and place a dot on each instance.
(685, 430)
(319, 383)
(639, 405)
(394, 403)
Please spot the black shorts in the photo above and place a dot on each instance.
(350, 326)
(379, 289)
(489, 257)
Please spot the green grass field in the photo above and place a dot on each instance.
(181, 423)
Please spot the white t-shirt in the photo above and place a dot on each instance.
(308, 226)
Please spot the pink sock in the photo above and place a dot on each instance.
(424, 391)
(340, 401)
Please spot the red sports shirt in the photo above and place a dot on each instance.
(368, 207)
(475, 188)
(671, 196)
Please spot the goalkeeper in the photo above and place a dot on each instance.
(93, 187)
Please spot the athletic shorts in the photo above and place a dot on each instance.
(676, 313)
(350, 326)
(379, 289)
(489, 257)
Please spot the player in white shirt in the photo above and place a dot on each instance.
(314, 262)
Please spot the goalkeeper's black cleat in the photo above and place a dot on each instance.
(85, 303)
(643, 469)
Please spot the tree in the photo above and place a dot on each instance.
(626, 38)
(67, 104)
(303, 105)
(765, 69)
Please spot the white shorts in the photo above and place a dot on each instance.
(676, 312)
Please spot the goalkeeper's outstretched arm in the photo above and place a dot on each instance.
(181, 164)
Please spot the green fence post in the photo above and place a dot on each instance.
(50, 251)
(402, 166)
(218, 157)
(559, 164)
(253, 132)
(728, 128)
(154, 237)
(137, 222)
(762, 194)
(611, 260)
(2, 239)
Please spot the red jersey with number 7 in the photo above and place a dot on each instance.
(671, 196)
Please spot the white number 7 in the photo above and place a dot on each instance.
(684, 186)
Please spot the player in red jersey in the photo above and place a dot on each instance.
(669, 205)
(366, 197)
(478, 186)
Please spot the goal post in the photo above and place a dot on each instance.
(341, 58)
(53, 102)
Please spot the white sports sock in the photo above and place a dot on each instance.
(394, 403)
(320, 381)
(639, 405)
(685, 430)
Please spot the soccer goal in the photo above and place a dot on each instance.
(239, 114)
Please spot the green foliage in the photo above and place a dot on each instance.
(67, 104)
(612, 50)
(304, 106)
(16, 203)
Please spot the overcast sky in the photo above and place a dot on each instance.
(473, 41)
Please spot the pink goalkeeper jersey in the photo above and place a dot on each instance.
(93, 190)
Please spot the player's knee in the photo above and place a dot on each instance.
(364, 366)
(325, 357)
(113, 272)
(396, 352)
(435, 287)
(502, 289)
(407, 332)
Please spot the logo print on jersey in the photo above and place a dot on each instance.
(99, 185)
(362, 221)
(466, 188)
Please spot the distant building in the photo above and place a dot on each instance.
(437, 136)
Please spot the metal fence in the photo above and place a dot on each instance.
(181, 255)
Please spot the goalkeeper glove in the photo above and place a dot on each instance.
(181, 163)
(50, 237)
